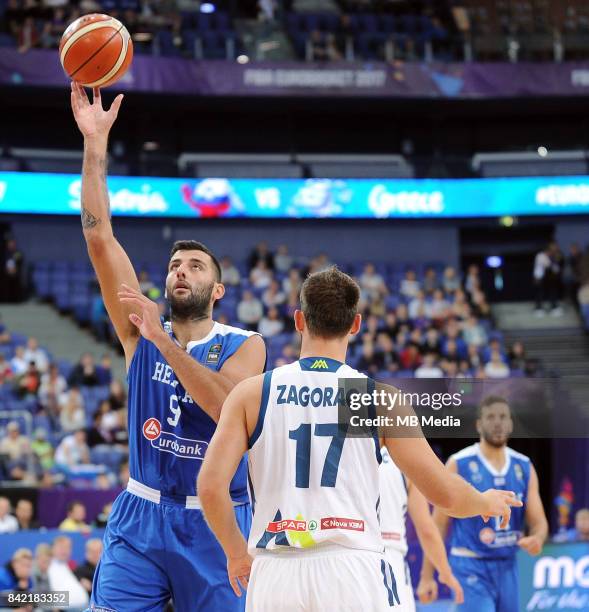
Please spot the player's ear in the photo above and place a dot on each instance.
(356, 324)
(219, 291)
(299, 321)
(479, 427)
(166, 293)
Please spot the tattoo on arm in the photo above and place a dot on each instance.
(88, 219)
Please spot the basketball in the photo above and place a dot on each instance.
(96, 50)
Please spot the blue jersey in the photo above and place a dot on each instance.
(487, 540)
(168, 432)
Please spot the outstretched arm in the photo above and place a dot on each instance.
(108, 257)
(225, 451)
(433, 547)
(207, 388)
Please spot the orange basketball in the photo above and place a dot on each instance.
(96, 50)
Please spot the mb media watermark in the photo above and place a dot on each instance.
(450, 407)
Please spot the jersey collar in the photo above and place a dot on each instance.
(320, 364)
(489, 466)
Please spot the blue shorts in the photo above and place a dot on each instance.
(490, 585)
(157, 552)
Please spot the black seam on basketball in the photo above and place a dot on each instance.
(94, 54)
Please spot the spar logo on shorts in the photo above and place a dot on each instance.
(286, 525)
(152, 429)
(167, 442)
(335, 522)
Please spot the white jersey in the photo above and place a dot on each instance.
(393, 504)
(309, 484)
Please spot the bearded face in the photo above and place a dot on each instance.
(189, 303)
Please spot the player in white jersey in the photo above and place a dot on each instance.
(399, 496)
(315, 493)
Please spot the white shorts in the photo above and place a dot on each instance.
(331, 578)
(403, 576)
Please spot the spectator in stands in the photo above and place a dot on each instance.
(16, 575)
(145, 283)
(85, 572)
(450, 280)
(24, 515)
(27, 385)
(385, 346)
(261, 252)
(61, 576)
(35, 353)
(372, 283)
(117, 396)
(472, 282)
(431, 342)
(14, 262)
(72, 416)
(229, 273)
(249, 310)
(517, 356)
(319, 263)
(261, 275)
(96, 435)
(460, 307)
(480, 306)
(429, 369)
(28, 38)
(430, 282)
(410, 285)
(292, 282)
(104, 370)
(8, 523)
(439, 308)
(41, 568)
(75, 519)
(473, 332)
(43, 450)
(15, 445)
(18, 363)
(370, 360)
(84, 373)
(418, 307)
(102, 518)
(496, 367)
(271, 324)
(273, 296)
(410, 357)
(53, 386)
(546, 279)
(283, 261)
(54, 28)
(72, 451)
(6, 374)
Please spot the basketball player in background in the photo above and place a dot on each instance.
(157, 545)
(315, 491)
(398, 495)
(482, 556)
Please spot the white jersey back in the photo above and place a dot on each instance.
(393, 504)
(310, 485)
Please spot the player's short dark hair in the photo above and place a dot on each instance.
(489, 401)
(193, 245)
(329, 301)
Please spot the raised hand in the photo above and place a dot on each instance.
(148, 322)
(92, 119)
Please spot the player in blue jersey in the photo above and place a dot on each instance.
(157, 544)
(482, 555)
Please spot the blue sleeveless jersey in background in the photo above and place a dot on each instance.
(168, 432)
(487, 540)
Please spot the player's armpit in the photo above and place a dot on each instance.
(113, 268)
(248, 361)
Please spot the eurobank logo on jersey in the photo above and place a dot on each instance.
(556, 580)
(167, 442)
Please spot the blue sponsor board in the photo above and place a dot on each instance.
(295, 198)
(558, 579)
